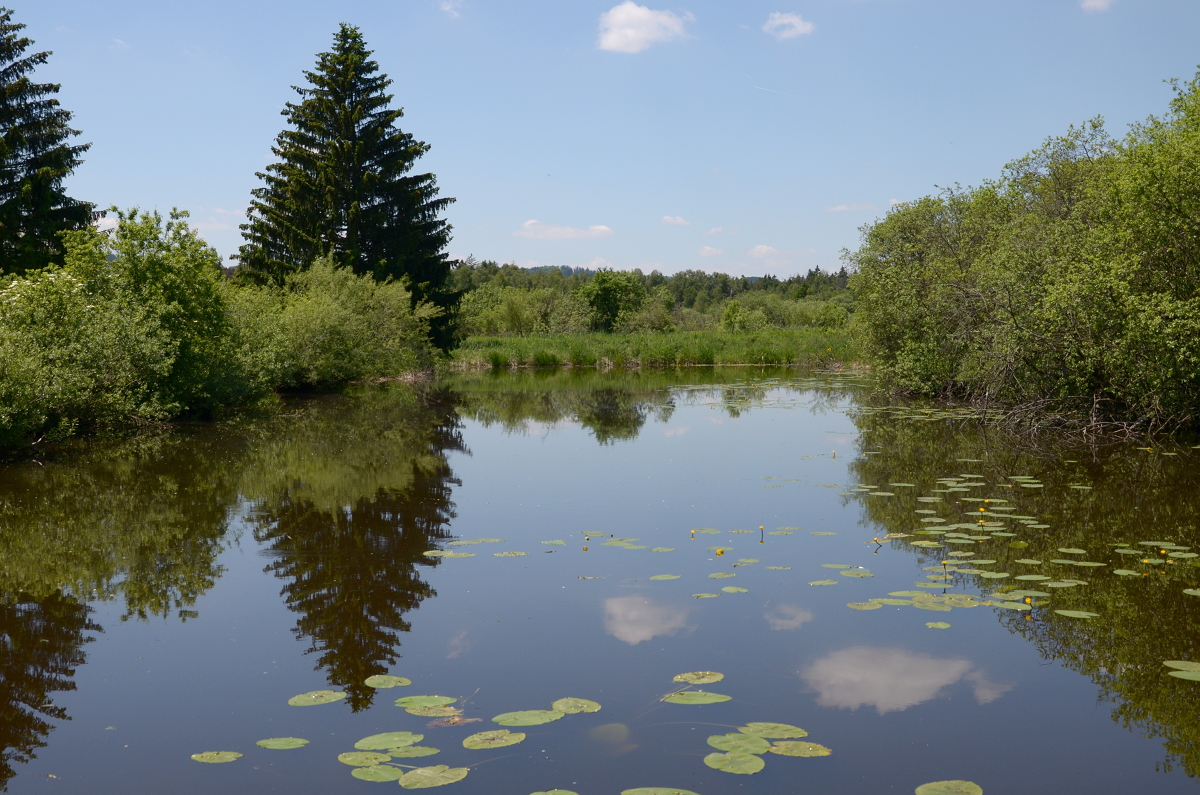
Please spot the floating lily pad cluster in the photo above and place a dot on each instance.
(741, 752)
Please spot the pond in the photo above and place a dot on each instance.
(915, 597)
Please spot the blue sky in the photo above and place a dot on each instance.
(748, 137)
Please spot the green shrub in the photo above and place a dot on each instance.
(1072, 283)
(337, 327)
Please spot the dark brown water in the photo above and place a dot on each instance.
(167, 596)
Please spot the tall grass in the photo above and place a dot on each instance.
(667, 349)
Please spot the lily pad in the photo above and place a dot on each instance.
(661, 549)
(856, 573)
(424, 701)
(1191, 676)
(382, 681)
(697, 697)
(362, 758)
(937, 625)
(777, 568)
(282, 743)
(1127, 572)
(1032, 577)
(1183, 555)
(382, 742)
(1192, 591)
(932, 606)
(864, 605)
(734, 589)
(893, 602)
(1077, 614)
(738, 743)
(819, 533)
(528, 717)
(216, 757)
(435, 776)
(836, 566)
(708, 531)
(699, 677)
(377, 773)
(824, 582)
(435, 711)
(742, 764)
(706, 595)
(773, 731)
(459, 555)
(412, 751)
(556, 792)
(573, 706)
(721, 575)
(554, 543)
(664, 577)
(950, 788)
(497, 738)
(1072, 550)
(799, 749)
(314, 697)
(994, 575)
(656, 791)
(498, 555)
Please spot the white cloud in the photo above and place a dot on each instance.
(675, 220)
(786, 617)
(536, 230)
(106, 223)
(1096, 5)
(891, 680)
(718, 230)
(709, 251)
(845, 208)
(118, 45)
(633, 619)
(678, 430)
(761, 251)
(629, 27)
(894, 202)
(451, 7)
(788, 26)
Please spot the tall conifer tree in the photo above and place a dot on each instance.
(35, 158)
(343, 186)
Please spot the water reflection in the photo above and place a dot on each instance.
(354, 498)
(1091, 499)
(41, 645)
(787, 617)
(634, 619)
(892, 680)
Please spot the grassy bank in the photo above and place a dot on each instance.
(663, 349)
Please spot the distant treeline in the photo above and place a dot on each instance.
(1068, 286)
(506, 300)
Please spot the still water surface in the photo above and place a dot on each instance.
(167, 596)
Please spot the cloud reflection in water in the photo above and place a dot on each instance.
(634, 619)
(892, 680)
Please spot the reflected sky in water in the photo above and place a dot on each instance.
(166, 595)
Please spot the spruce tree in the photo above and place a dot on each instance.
(35, 158)
(342, 186)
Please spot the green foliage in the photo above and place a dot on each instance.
(139, 326)
(343, 189)
(657, 349)
(505, 300)
(611, 294)
(337, 327)
(501, 310)
(35, 158)
(1073, 282)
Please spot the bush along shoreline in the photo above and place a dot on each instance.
(140, 326)
(1066, 292)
